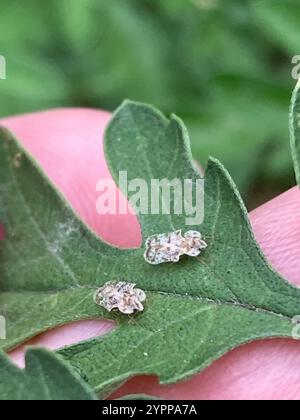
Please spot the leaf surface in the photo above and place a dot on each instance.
(196, 310)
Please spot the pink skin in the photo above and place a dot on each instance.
(68, 144)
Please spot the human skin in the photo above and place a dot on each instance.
(68, 145)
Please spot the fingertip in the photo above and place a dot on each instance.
(276, 225)
(65, 335)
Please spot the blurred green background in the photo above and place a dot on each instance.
(224, 66)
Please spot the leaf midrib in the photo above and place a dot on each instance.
(216, 302)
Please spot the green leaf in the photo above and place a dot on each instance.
(295, 130)
(196, 310)
(46, 377)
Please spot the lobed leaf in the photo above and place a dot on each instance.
(196, 310)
